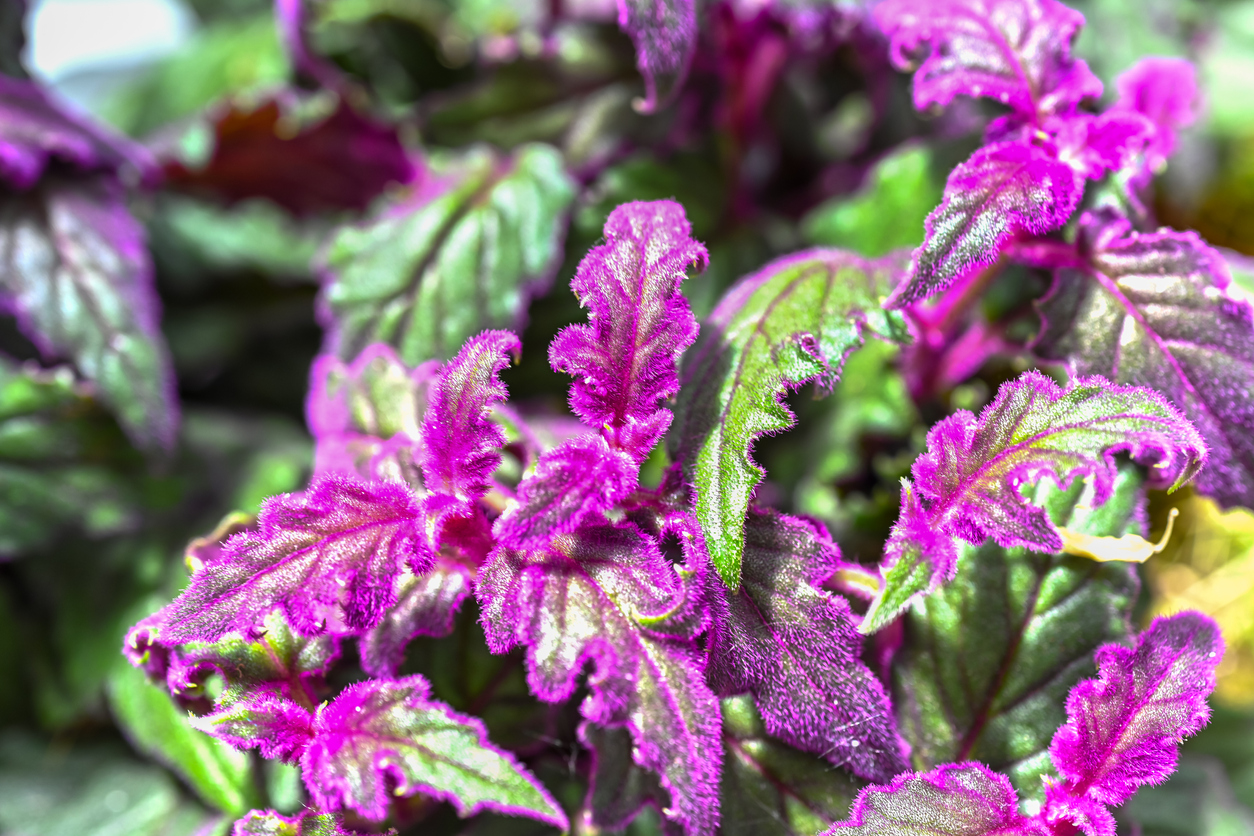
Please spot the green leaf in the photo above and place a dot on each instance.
(989, 659)
(63, 463)
(887, 213)
(48, 791)
(461, 252)
(270, 823)
(794, 321)
(771, 789)
(76, 270)
(156, 726)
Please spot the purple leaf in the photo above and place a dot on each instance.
(619, 789)
(425, 606)
(332, 553)
(626, 359)
(35, 130)
(366, 416)
(1015, 51)
(76, 272)
(1123, 728)
(1094, 145)
(665, 35)
(1164, 90)
(462, 445)
(378, 739)
(573, 484)
(270, 823)
(292, 19)
(1155, 310)
(600, 596)
(277, 727)
(796, 648)
(969, 483)
(961, 799)
(1003, 190)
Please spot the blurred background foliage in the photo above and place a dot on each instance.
(830, 153)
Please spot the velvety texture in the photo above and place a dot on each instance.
(665, 36)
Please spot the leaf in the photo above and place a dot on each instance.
(1123, 729)
(302, 158)
(425, 606)
(64, 465)
(573, 484)
(463, 250)
(769, 789)
(796, 648)
(987, 661)
(366, 416)
(1017, 52)
(334, 551)
(618, 788)
(35, 131)
(665, 35)
(270, 823)
(272, 659)
(378, 732)
(1196, 801)
(1155, 310)
(77, 274)
(159, 728)
(967, 486)
(962, 799)
(277, 727)
(794, 321)
(590, 598)
(1005, 189)
(626, 359)
(1165, 91)
(887, 213)
(461, 444)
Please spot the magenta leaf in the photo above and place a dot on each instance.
(331, 554)
(1017, 52)
(600, 596)
(573, 484)
(1123, 728)
(34, 130)
(366, 416)
(1155, 310)
(969, 483)
(961, 799)
(665, 35)
(796, 648)
(270, 823)
(1164, 90)
(625, 360)
(379, 738)
(619, 788)
(76, 272)
(1004, 190)
(277, 727)
(425, 606)
(462, 445)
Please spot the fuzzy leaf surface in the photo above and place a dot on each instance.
(76, 272)
(425, 606)
(270, 823)
(962, 799)
(277, 727)
(987, 661)
(377, 730)
(366, 416)
(968, 485)
(464, 250)
(771, 789)
(591, 599)
(333, 552)
(1003, 190)
(1165, 91)
(1156, 310)
(796, 648)
(794, 321)
(665, 35)
(1017, 52)
(626, 358)
(1123, 729)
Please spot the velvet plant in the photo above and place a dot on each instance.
(821, 512)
